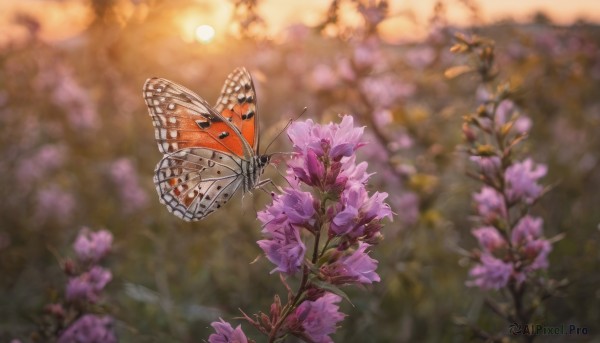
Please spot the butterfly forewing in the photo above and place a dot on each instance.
(209, 152)
(237, 103)
(182, 119)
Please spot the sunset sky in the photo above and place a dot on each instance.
(63, 19)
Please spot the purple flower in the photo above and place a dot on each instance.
(521, 181)
(354, 173)
(420, 57)
(489, 166)
(46, 159)
(406, 203)
(489, 238)
(89, 328)
(322, 78)
(527, 229)
(318, 319)
(490, 204)
(293, 206)
(386, 91)
(356, 267)
(124, 176)
(504, 112)
(283, 247)
(92, 246)
(88, 285)
(334, 140)
(54, 203)
(74, 99)
(309, 169)
(225, 333)
(492, 273)
(358, 210)
(537, 251)
(299, 207)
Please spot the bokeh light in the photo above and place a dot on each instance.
(205, 34)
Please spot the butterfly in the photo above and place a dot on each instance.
(209, 152)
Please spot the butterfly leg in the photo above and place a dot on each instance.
(264, 182)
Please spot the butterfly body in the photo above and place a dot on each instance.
(209, 152)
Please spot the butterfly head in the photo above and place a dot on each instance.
(263, 160)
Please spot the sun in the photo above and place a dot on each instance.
(205, 34)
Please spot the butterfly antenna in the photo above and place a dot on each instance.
(285, 128)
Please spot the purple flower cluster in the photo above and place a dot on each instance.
(511, 244)
(502, 260)
(326, 198)
(521, 181)
(124, 176)
(92, 246)
(324, 161)
(89, 285)
(86, 283)
(90, 328)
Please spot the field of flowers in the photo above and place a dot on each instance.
(442, 189)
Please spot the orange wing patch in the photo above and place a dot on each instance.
(184, 120)
(238, 104)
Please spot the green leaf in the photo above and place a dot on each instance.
(331, 288)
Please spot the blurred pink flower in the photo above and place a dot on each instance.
(490, 204)
(54, 203)
(345, 70)
(489, 166)
(491, 273)
(382, 117)
(407, 205)
(296, 33)
(489, 238)
(36, 166)
(367, 55)
(88, 285)
(322, 78)
(527, 229)
(92, 246)
(420, 57)
(537, 251)
(225, 333)
(90, 328)
(124, 176)
(527, 237)
(386, 91)
(521, 181)
(74, 99)
(506, 111)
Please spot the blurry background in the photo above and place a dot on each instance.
(77, 149)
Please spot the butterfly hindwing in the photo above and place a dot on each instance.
(194, 182)
(182, 120)
(237, 103)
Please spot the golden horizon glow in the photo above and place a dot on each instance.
(406, 22)
(204, 33)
